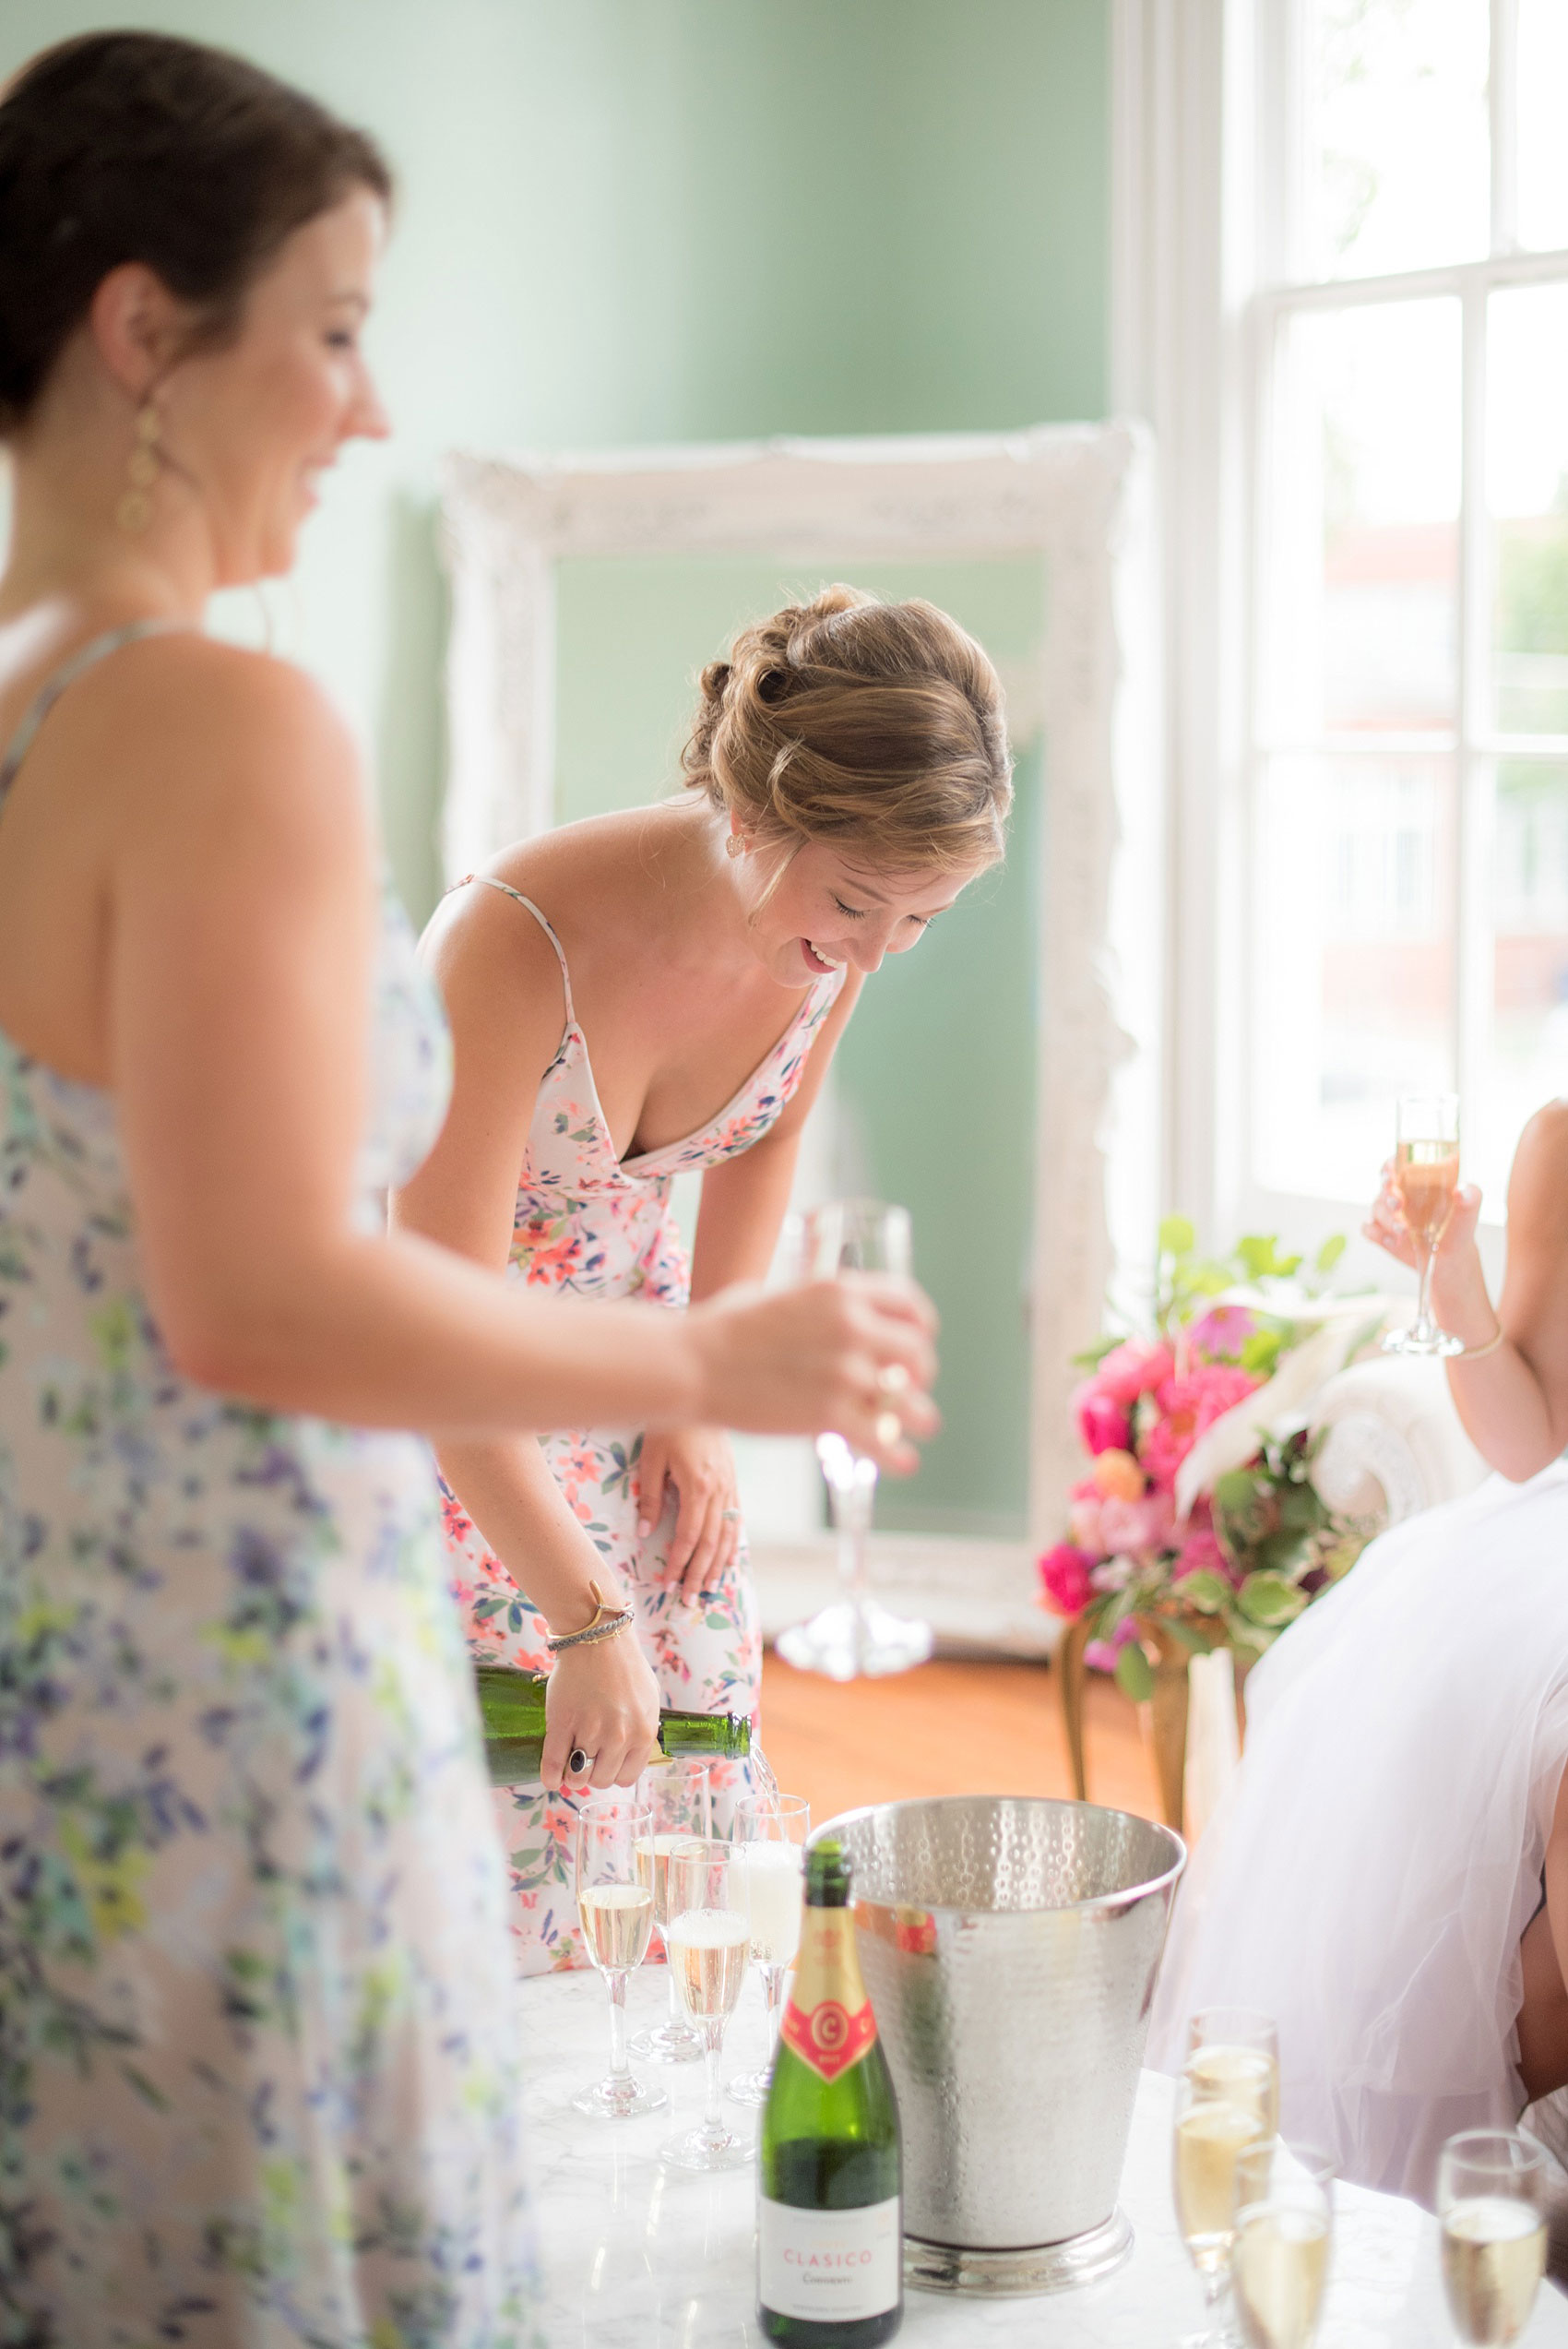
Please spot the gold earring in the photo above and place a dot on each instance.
(135, 510)
(735, 844)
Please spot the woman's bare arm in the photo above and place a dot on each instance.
(237, 948)
(1513, 1398)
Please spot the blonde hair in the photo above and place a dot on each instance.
(874, 727)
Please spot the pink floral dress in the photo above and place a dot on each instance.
(588, 1224)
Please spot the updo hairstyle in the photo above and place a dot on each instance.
(132, 146)
(874, 727)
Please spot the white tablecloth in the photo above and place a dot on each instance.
(636, 2257)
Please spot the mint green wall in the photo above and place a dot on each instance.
(631, 220)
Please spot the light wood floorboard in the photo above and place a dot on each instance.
(948, 1728)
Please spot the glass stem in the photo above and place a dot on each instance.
(1424, 1327)
(773, 1990)
(675, 2015)
(713, 2110)
(617, 2065)
(851, 1517)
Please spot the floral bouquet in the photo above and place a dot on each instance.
(1197, 1519)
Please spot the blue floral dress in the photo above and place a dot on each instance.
(258, 2066)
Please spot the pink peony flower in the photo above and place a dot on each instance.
(1221, 1333)
(1103, 1424)
(1187, 1406)
(1083, 1517)
(1132, 1368)
(1201, 1554)
(1064, 1579)
(1138, 1526)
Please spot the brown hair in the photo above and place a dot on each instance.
(876, 727)
(133, 146)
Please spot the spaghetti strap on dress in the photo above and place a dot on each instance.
(588, 1224)
(258, 2050)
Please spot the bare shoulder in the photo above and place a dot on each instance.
(1538, 1187)
(195, 749)
(579, 866)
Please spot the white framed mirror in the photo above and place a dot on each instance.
(1004, 1081)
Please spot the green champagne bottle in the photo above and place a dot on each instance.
(830, 2233)
(512, 1706)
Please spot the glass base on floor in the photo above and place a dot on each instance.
(1414, 1342)
(618, 2098)
(671, 2043)
(845, 1642)
(699, 2153)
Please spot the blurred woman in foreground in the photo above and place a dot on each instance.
(257, 2059)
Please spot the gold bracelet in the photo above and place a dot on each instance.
(606, 1621)
(1477, 1353)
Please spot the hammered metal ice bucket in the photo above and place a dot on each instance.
(1010, 1949)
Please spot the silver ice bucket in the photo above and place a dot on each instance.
(1010, 1947)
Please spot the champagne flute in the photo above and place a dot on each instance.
(767, 1874)
(1491, 2203)
(1279, 2260)
(616, 1909)
(857, 1635)
(1426, 1175)
(680, 1797)
(709, 1943)
(1233, 2058)
(1211, 2136)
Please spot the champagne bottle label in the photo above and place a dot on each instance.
(828, 2021)
(829, 2038)
(829, 2267)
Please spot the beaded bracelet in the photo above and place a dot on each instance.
(1475, 1353)
(607, 1620)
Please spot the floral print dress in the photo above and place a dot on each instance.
(258, 2064)
(588, 1224)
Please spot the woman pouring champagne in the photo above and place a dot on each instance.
(654, 993)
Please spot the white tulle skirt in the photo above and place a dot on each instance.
(1370, 1873)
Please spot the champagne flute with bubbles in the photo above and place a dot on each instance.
(680, 1798)
(1210, 2138)
(616, 1909)
(1279, 2258)
(710, 1943)
(856, 1636)
(1491, 2205)
(768, 1876)
(1233, 2058)
(1426, 1175)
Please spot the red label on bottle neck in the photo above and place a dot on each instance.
(828, 2036)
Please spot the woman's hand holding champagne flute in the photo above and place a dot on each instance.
(1425, 1218)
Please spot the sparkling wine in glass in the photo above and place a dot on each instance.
(616, 1911)
(768, 1878)
(1233, 2058)
(710, 1943)
(1491, 2201)
(855, 1638)
(679, 1796)
(1211, 2136)
(1426, 1175)
(1279, 2260)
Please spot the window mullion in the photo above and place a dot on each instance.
(1502, 100)
(1471, 879)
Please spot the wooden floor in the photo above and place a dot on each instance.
(947, 1729)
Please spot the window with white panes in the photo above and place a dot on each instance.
(1409, 728)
